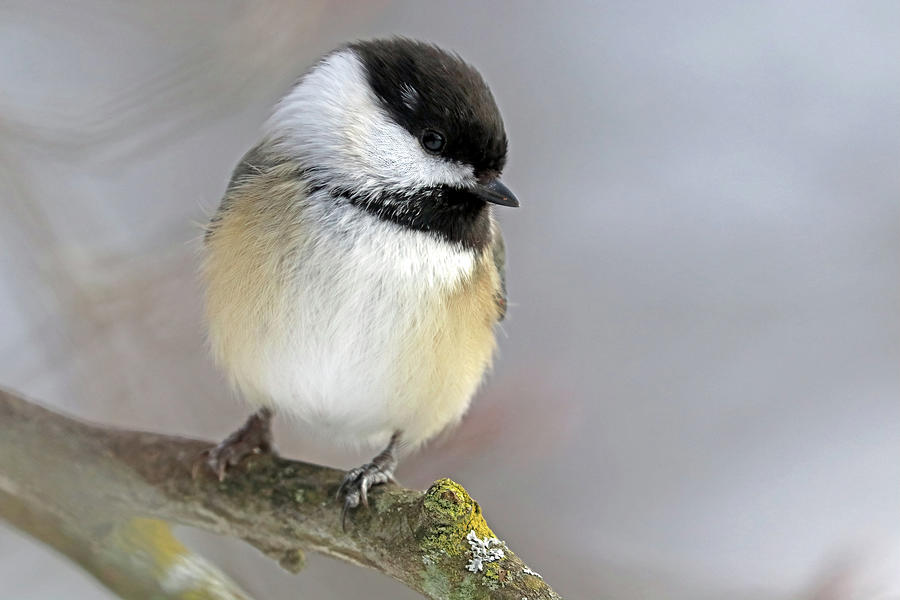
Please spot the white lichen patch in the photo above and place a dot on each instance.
(484, 551)
(427, 560)
(528, 571)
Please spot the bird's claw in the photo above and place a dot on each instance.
(357, 483)
(254, 437)
(223, 456)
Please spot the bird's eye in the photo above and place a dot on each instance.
(433, 141)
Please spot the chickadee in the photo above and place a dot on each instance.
(354, 269)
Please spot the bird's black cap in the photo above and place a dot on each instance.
(426, 88)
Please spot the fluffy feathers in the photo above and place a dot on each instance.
(329, 296)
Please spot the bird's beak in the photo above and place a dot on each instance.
(496, 193)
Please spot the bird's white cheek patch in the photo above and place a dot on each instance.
(332, 121)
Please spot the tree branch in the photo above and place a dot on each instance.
(86, 478)
(136, 559)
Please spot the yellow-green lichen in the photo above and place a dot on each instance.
(451, 514)
(495, 576)
(437, 584)
(533, 583)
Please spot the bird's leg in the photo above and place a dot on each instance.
(355, 486)
(254, 437)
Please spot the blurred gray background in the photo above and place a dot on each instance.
(698, 389)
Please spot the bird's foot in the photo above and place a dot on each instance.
(357, 482)
(254, 437)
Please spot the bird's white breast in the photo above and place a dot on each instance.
(346, 321)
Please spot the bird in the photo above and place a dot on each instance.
(354, 271)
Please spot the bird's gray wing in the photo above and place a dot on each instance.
(499, 250)
(252, 163)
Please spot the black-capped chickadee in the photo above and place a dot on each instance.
(354, 269)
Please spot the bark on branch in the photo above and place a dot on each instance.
(92, 483)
